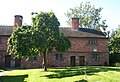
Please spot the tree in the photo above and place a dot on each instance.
(89, 16)
(114, 47)
(20, 42)
(114, 43)
(39, 39)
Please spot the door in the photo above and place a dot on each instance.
(72, 60)
(17, 62)
(81, 60)
(7, 61)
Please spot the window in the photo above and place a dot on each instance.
(95, 57)
(59, 57)
(92, 42)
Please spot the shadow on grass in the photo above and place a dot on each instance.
(75, 71)
(83, 80)
(2, 69)
(16, 78)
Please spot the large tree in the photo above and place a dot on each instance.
(89, 16)
(114, 47)
(40, 38)
(114, 43)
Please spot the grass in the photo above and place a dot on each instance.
(65, 74)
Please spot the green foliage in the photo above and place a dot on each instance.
(89, 16)
(46, 27)
(114, 58)
(114, 47)
(38, 39)
(116, 33)
(117, 64)
(62, 42)
(20, 43)
(114, 43)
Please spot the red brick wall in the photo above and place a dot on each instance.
(67, 55)
(2, 59)
(3, 45)
(28, 63)
(80, 45)
(53, 62)
(79, 48)
(3, 48)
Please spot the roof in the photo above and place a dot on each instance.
(82, 32)
(92, 31)
(6, 30)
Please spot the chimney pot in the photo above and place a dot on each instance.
(75, 23)
(18, 20)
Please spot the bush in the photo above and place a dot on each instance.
(117, 64)
(114, 58)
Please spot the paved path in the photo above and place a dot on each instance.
(4, 72)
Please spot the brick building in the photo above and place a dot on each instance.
(89, 47)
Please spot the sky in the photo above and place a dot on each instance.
(9, 8)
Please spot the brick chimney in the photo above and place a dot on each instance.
(75, 23)
(18, 20)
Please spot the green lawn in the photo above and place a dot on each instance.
(65, 74)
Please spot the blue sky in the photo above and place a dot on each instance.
(9, 8)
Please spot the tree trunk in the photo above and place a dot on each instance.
(44, 62)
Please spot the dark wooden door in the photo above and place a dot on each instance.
(72, 60)
(17, 62)
(81, 60)
(7, 61)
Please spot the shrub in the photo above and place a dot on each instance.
(117, 64)
(114, 58)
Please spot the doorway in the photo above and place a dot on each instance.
(8, 61)
(72, 60)
(81, 60)
(17, 62)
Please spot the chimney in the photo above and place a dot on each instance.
(75, 23)
(18, 20)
